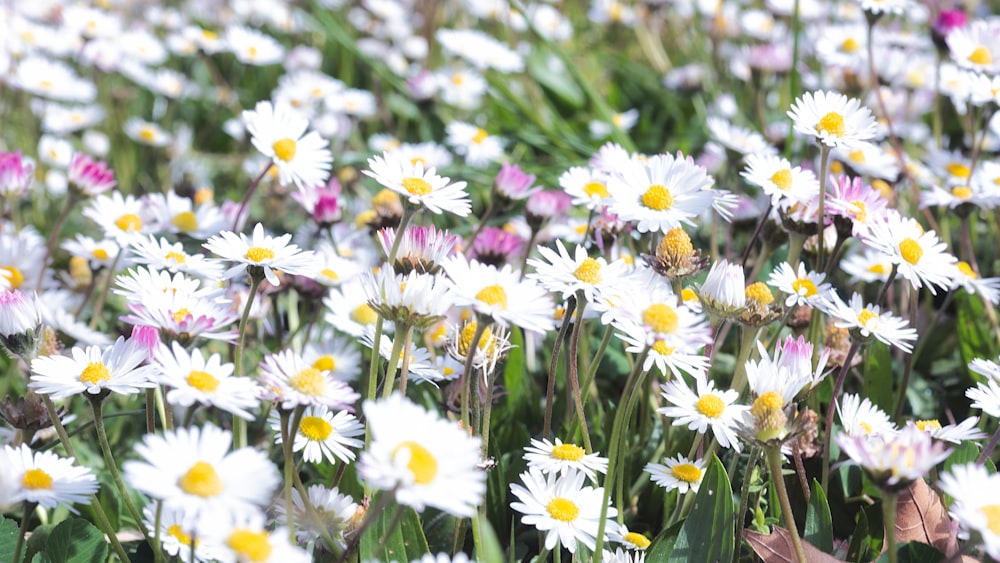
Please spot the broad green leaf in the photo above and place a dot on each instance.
(8, 539)
(546, 69)
(914, 552)
(663, 544)
(491, 552)
(74, 541)
(404, 543)
(859, 541)
(708, 533)
(967, 452)
(819, 523)
(514, 370)
(975, 338)
(878, 375)
(36, 543)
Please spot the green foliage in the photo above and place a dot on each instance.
(914, 552)
(878, 375)
(819, 523)
(74, 541)
(405, 542)
(708, 533)
(8, 539)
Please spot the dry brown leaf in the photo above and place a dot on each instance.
(777, 547)
(921, 517)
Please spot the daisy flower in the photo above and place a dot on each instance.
(176, 534)
(429, 461)
(565, 274)
(242, 537)
(703, 408)
(894, 460)
(293, 382)
(562, 507)
(986, 397)
(176, 214)
(16, 173)
(334, 353)
(860, 417)
(547, 458)
(93, 370)
(976, 506)
(183, 316)
(671, 356)
(261, 254)
(89, 176)
(867, 266)
(869, 321)
(474, 143)
(631, 540)
(802, 287)
(252, 47)
(952, 433)
(147, 133)
(976, 47)
(422, 188)
(832, 119)
(20, 318)
(192, 469)
(161, 254)
(192, 379)
(779, 180)
(100, 253)
(852, 200)
(661, 192)
(623, 556)
(323, 434)
(739, 140)
(280, 134)
(588, 187)
(121, 217)
(349, 310)
(47, 479)
(724, 291)
(500, 294)
(330, 516)
(986, 368)
(678, 473)
(51, 79)
(919, 255)
(987, 288)
(869, 160)
(414, 299)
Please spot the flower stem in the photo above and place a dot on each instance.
(550, 388)
(470, 355)
(240, 425)
(404, 370)
(773, 454)
(574, 363)
(250, 191)
(54, 237)
(828, 428)
(28, 508)
(289, 428)
(889, 518)
(989, 448)
(390, 369)
(370, 516)
(744, 499)
(824, 159)
(103, 295)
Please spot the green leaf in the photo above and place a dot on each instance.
(8, 539)
(36, 543)
(515, 371)
(819, 523)
(74, 541)
(405, 543)
(859, 541)
(975, 338)
(914, 552)
(546, 69)
(663, 544)
(491, 550)
(708, 533)
(878, 375)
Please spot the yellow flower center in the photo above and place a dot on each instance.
(486, 341)
(203, 196)
(568, 452)
(315, 428)
(638, 540)
(687, 472)
(363, 314)
(657, 197)
(676, 244)
(992, 512)
(980, 56)
(201, 480)
(759, 293)
(866, 316)
(783, 179)
(129, 222)
(661, 318)
(178, 257)
(859, 211)
(958, 170)
(688, 294)
(99, 254)
(385, 198)
(866, 427)
(35, 479)
(202, 381)
(181, 314)
(767, 402)
(910, 250)
(480, 136)
(176, 531)
(926, 425)
(147, 133)
(661, 348)
(309, 381)
(493, 295)
(250, 545)
(832, 124)
(857, 156)
(962, 192)
(563, 509)
(14, 276)
(325, 363)
(284, 149)
(422, 464)
(258, 254)
(849, 45)
(185, 221)
(94, 373)
(966, 270)
(877, 269)
(329, 274)
(417, 186)
(711, 406)
(804, 286)
(596, 189)
(589, 271)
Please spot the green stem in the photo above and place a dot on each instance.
(390, 369)
(889, 518)
(28, 508)
(796, 242)
(824, 159)
(286, 446)
(574, 363)
(748, 337)
(908, 361)
(885, 287)
(404, 370)
(744, 499)
(773, 454)
(550, 387)
(595, 363)
(103, 295)
(465, 381)
(484, 431)
(370, 516)
(240, 425)
(828, 428)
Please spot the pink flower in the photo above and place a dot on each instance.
(92, 177)
(496, 246)
(514, 184)
(15, 173)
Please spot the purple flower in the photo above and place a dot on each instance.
(15, 173)
(496, 246)
(514, 184)
(89, 176)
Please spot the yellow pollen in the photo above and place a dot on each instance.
(859, 211)
(258, 254)
(309, 381)
(925, 425)
(364, 314)
(661, 348)
(457, 79)
(252, 51)
(385, 198)
(422, 464)
(95, 372)
(185, 221)
(284, 149)
(202, 381)
(687, 472)
(849, 45)
(910, 250)
(329, 274)
(129, 222)
(589, 272)
(181, 314)
(857, 156)
(866, 427)
(966, 270)
(147, 133)
(325, 363)
(417, 186)
(676, 244)
(99, 254)
(176, 531)
(315, 428)
(563, 509)
(958, 170)
(759, 293)
(877, 269)
(638, 540)
(418, 160)
(596, 189)
(201, 480)
(688, 294)
(178, 257)
(767, 402)
(35, 479)
(980, 56)
(661, 318)
(568, 452)
(251, 546)
(493, 295)
(832, 124)
(804, 285)
(480, 136)
(783, 179)
(209, 35)
(866, 316)
(962, 192)
(711, 406)
(992, 512)
(657, 197)
(203, 196)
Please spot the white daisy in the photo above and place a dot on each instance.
(661, 192)
(241, 537)
(421, 187)
(802, 287)
(293, 382)
(919, 255)
(565, 274)
(977, 502)
(328, 514)
(952, 433)
(93, 370)
(280, 134)
(474, 143)
(587, 186)
(121, 217)
(779, 180)
(161, 254)
(146, 132)
(986, 396)
(547, 457)
(47, 479)
(860, 417)
(832, 119)
(976, 46)
(894, 459)
(261, 254)
(323, 434)
(190, 379)
(678, 473)
(966, 277)
(500, 294)
(706, 407)
(869, 321)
